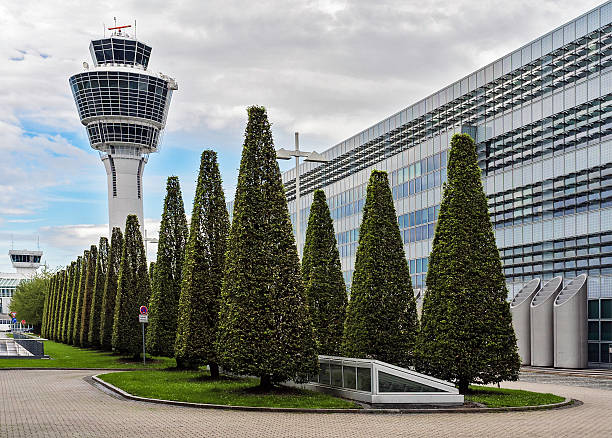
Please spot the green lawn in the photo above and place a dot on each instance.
(66, 356)
(501, 397)
(197, 387)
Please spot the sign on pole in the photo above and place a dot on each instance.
(14, 320)
(144, 319)
(14, 314)
(23, 321)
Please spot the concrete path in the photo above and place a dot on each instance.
(62, 404)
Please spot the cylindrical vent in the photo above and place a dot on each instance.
(570, 321)
(542, 323)
(521, 319)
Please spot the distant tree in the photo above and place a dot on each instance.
(74, 293)
(264, 326)
(55, 292)
(466, 333)
(29, 299)
(76, 327)
(64, 316)
(381, 321)
(88, 290)
(133, 291)
(166, 286)
(322, 274)
(202, 271)
(95, 316)
(110, 289)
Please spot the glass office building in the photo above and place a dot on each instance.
(542, 120)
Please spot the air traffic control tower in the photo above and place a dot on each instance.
(124, 108)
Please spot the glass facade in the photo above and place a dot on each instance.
(122, 105)
(542, 120)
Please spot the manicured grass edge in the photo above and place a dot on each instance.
(565, 403)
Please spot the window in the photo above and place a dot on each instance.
(391, 383)
(364, 379)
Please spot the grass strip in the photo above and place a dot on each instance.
(67, 356)
(493, 397)
(198, 387)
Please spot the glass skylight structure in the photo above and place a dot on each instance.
(542, 120)
(380, 383)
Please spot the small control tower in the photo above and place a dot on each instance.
(25, 262)
(124, 108)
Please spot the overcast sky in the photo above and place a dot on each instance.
(327, 69)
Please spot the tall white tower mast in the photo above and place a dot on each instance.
(124, 108)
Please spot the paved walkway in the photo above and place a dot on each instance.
(61, 404)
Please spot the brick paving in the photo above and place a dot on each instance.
(46, 403)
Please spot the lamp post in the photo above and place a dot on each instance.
(284, 154)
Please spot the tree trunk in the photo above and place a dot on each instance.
(463, 385)
(214, 370)
(265, 382)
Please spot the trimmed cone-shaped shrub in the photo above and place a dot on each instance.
(74, 293)
(93, 332)
(53, 287)
(70, 275)
(200, 292)
(167, 274)
(78, 310)
(60, 291)
(48, 308)
(264, 326)
(151, 270)
(466, 333)
(90, 278)
(133, 291)
(109, 296)
(381, 319)
(322, 274)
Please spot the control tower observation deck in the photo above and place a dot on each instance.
(124, 108)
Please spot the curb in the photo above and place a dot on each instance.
(565, 403)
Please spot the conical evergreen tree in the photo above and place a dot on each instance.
(78, 310)
(466, 334)
(381, 320)
(48, 307)
(133, 291)
(151, 271)
(167, 275)
(70, 275)
(74, 293)
(110, 289)
(93, 332)
(43, 330)
(203, 271)
(55, 295)
(88, 291)
(60, 288)
(322, 274)
(264, 326)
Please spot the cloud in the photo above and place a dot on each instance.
(325, 68)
